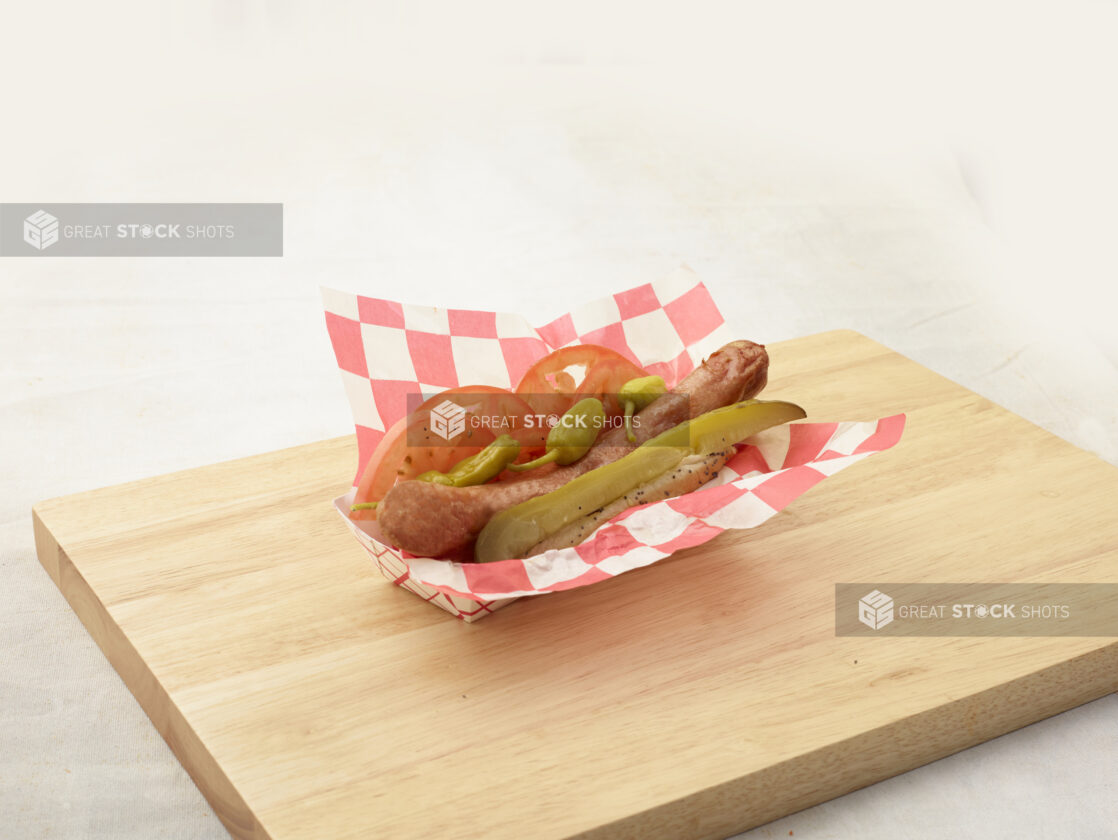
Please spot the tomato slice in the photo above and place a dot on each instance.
(410, 447)
(569, 374)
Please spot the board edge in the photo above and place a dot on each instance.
(846, 766)
(207, 775)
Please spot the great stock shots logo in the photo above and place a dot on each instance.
(976, 609)
(46, 229)
(448, 420)
(875, 610)
(483, 416)
(40, 230)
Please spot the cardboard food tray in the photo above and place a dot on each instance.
(397, 361)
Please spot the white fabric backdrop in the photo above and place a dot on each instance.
(526, 188)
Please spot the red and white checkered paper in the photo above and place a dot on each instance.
(386, 350)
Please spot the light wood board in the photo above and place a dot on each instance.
(309, 698)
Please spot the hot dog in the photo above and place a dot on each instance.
(436, 520)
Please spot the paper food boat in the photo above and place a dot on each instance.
(386, 350)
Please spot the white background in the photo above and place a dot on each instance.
(938, 176)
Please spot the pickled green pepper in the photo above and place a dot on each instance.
(479, 468)
(571, 437)
(637, 394)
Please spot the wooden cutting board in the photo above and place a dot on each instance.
(308, 698)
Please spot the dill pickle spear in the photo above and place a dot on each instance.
(717, 429)
(513, 531)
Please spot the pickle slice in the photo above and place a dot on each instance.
(513, 531)
(717, 429)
